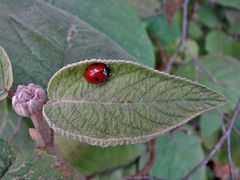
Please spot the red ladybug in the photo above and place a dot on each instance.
(97, 73)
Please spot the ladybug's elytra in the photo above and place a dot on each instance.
(97, 73)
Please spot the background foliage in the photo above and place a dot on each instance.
(38, 37)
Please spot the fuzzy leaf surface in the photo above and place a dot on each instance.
(6, 77)
(136, 104)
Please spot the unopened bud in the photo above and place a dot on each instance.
(28, 100)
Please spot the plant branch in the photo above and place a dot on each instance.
(218, 145)
(183, 37)
(145, 170)
(230, 167)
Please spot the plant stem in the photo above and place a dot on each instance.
(183, 37)
(44, 130)
(145, 170)
(218, 145)
(230, 165)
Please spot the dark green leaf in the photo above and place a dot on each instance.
(165, 32)
(177, 155)
(123, 28)
(90, 160)
(34, 165)
(230, 3)
(210, 126)
(40, 39)
(13, 127)
(7, 156)
(207, 16)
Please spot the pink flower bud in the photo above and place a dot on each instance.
(28, 100)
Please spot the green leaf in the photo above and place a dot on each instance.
(13, 127)
(217, 41)
(177, 155)
(6, 77)
(32, 165)
(229, 3)
(207, 16)
(135, 105)
(124, 28)
(195, 32)
(40, 39)
(233, 18)
(218, 72)
(7, 156)
(210, 126)
(89, 160)
(159, 27)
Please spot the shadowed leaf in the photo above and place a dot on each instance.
(41, 38)
(7, 156)
(32, 165)
(89, 160)
(123, 28)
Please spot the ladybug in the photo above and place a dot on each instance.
(97, 73)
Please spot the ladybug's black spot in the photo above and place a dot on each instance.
(104, 72)
(107, 68)
(96, 79)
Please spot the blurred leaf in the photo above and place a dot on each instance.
(7, 156)
(13, 127)
(233, 18)
(6, 77)
(217, 41)
(159, 27)
(32, 165)
(89, 160)
(177, 155)
(235, 149)
(170, 7)
(40, 39)
(229, 3)
(146, 8)
(210, 124)
(207, 16)
(118, 21)
(218, 72)
(195, 32)
(135, 105)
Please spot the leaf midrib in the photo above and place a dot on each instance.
(129, 103)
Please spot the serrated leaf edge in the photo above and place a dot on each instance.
(126, 140)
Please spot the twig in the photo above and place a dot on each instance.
(145, 170)
(218, 145)
(183, 37)
(161, 52)
(230, 167)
